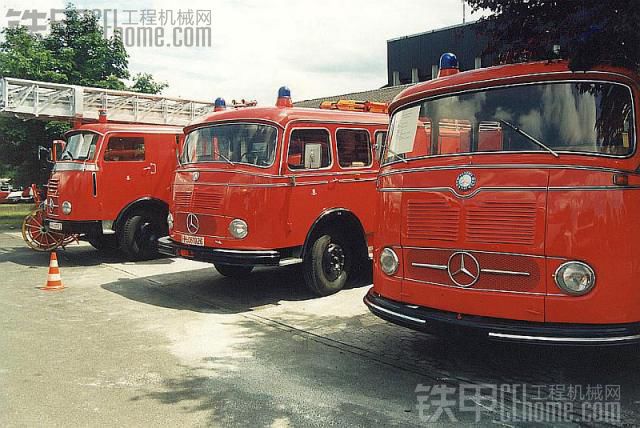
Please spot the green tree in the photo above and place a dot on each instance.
(144, 82)
(589, 32)
(74, 52)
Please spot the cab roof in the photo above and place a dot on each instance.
(284, 115)
(503, 74)
(103, 128)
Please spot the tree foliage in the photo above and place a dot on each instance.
(76, 52)
(589, 32)
(144, 82)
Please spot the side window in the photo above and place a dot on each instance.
(124, 149)
(309, 149)
(381, 138)
(354, 148)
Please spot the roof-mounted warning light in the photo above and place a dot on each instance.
(102, 116)
(219, 104)
(284, 97)
(352, 105)
(448, 65)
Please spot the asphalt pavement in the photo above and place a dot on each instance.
(171, 342)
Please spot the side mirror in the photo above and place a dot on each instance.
(44, 149)
(57, 147)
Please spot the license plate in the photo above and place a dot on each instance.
(193, 240)
(54, 225)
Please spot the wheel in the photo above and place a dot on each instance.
(234, 271)
(138, 238)
(103, 242)
(37, 235)
(327, 266)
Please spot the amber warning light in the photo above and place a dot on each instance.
(352, 105)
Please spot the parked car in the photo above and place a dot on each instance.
(14, 196)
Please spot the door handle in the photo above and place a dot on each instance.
(151, 168)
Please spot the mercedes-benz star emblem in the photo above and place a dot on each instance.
(466, 181)
(463, 269)
(195, 175)
(193, 223)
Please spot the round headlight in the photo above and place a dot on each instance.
(389, 261)
(66, 207)
(238, 228)
(575, 278)
(170, 221)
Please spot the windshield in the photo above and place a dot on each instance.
(590, 118)
(80, 146)
(251, 144)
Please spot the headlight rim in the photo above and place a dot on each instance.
(556, 276)
(395, 257)
(170, 221)
(66, 207)
(231, 228)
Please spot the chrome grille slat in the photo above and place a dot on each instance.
(498, 222)
(434, 220)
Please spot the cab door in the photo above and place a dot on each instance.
(126, 173)
(309, 164)
(358, 170)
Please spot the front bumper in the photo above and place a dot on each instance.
(439, 322)
(87, 227)
(169, 247)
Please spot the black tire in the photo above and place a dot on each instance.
(232, 271)
(103, 242)
(328, 264)
(139, 236)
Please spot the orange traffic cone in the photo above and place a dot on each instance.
(54, 281)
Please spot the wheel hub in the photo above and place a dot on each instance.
(333, 261)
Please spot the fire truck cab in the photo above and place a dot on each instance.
(508, 201)
(111, 182)
(271, 186)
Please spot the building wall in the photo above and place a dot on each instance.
(422, 51)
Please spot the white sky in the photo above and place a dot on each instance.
(317, 48)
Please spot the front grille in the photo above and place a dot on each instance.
(209, 199)
(52, 186)
(434, 220)
(209, 225)
(430, 259)
(496, 222)
(182, 200)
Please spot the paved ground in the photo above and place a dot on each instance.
(171, 342)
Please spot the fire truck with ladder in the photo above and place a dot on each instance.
(508, 200)
(274, 186)
(111, 179)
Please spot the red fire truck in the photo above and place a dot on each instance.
(271, 186)
(111, 182)
(507, 202)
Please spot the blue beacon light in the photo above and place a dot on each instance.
(219, 104)
(448, 65)
(284, 97)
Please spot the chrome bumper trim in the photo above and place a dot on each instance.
(564, 339)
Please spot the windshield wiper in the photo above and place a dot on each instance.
(215, 152)
(530, 138)
(66, 153)
(397, 155)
